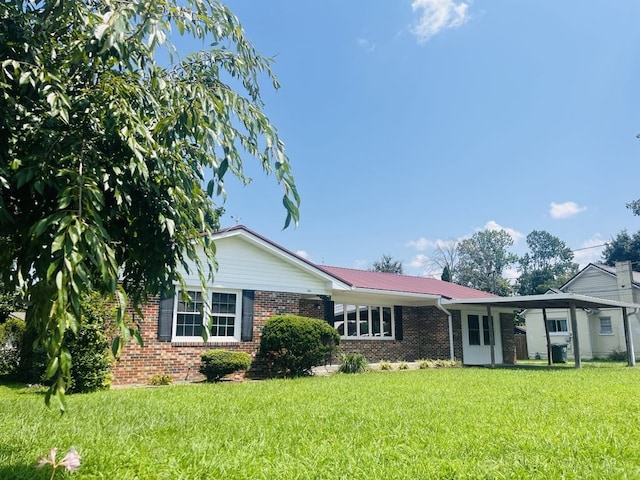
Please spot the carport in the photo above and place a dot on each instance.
(568, 301)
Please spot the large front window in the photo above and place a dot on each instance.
(221, 310)
(364, 321)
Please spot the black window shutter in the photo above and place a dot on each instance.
(165, 317)
(329, 308)
(246, 330)
(398, 315)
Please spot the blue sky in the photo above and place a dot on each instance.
(410, 123)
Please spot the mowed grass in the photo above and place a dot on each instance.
(426, 424)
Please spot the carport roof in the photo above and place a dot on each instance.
(548, 300)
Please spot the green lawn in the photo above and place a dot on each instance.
(425, 424)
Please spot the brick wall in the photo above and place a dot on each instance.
(181, 360)
(456, 319)
(425, 335)
(508, 339)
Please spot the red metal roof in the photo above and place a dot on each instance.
(380, 281)
(403, 283)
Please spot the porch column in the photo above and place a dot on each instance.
(624, 277)
(546, 334)
(628, 336)
(492, 341)
(576, 339)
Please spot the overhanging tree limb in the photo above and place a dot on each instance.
(80, 84)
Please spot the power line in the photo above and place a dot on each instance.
(587, 248)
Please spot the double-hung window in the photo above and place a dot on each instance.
(364, 321)
(557, 325)
(606, 327)
(219, 309)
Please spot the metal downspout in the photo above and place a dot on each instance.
(450, 320)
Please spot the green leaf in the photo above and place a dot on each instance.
(58, 243)
(52, 367)
(116, 347)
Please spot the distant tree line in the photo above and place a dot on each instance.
(482, 260)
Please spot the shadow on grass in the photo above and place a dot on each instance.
(20, 387)
(568, 366)
(21, 471)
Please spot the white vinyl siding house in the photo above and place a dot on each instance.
(601, 331)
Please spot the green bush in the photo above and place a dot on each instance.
(429, 363)
(11, 339)
(292, 345)
(385, 365)
(218, 363)
(403, 366)
(618, 355)
(353, 363)
(160, 379)
(90, 348)
(91, 358)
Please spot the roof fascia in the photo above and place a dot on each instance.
(370, 295)
(528, 298)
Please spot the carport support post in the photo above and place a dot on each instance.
(491, 337)
(576, 339)
(546, 333)
(631, 356)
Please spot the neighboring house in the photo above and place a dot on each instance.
(600, 330)
(384, 316)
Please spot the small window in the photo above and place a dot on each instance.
(557, 325)
(474, 329)
(606, 327)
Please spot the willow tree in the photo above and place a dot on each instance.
(114, 150)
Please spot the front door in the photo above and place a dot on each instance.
(476, 346)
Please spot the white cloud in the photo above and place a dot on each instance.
(303, 254)
(366, 44)
(590, 251)
(419, 261)
(436, 15)
(565, 210)
(495, 226)
(421, 244)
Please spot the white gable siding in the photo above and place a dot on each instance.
(595, 283)
(244, 265)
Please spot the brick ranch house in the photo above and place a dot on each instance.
(383, 316)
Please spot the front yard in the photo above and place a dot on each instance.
(415, 424)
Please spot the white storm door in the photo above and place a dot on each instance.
(476, 346)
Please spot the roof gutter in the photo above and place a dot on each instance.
(450, 322)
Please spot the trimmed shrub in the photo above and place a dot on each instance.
(292, 345)
(91, 358)
(353, 363)
(90, 348)
(218, 363)
(429, 363)
(11, 339)
(385, 365)
(160, 379)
